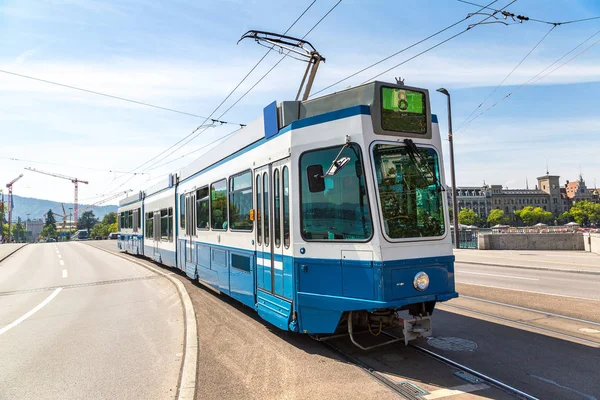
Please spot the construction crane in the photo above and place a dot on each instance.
(75, 181)
(9, 185)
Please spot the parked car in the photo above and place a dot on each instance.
(98, 237)
(113, 235)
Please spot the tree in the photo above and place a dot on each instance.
(531, 216)
(48, 231)
(50, 220)
(109, 218)
(100, 229)
(114, 227)
(87, 220)
(467, 216)
(585, 212)
(564, 218)
(496, 217)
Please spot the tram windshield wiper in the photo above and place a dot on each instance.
(414, 153)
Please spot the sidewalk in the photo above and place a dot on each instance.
(566, 261)
(6, 249)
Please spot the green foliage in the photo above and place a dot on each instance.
(564, 218)
(114, 227)
(87, 220)
(496, 217)
(531, 216)
(109, 218)
(48, 231)
(50, 220)
(585, 212)
(99, 229)
(467, 216)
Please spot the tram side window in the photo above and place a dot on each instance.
(218, 205)
(277, 209)
(240, 202)
(339, 209)
(130, 219)
(202, 209)
(149, 225)
(121, 221)
(182, 211)
(170, 224)
(286, 207)
(164, 224)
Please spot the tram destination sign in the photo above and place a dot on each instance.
(403, 110)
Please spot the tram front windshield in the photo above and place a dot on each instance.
(410, 192)
(341, 210)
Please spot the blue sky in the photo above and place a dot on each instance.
(183, 55)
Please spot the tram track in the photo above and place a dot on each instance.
(407, 393)
(517, 322)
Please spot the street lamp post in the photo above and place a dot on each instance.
(70, 208)
(454, 203)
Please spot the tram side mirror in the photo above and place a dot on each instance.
(337, 166)
(316, 180)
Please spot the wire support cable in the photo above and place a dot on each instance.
(522, 18)
(505, 78)
(398, 52)
(437, 45)
(539, 75)
(108, 95)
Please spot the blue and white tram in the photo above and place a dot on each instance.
(159, 222)
(131, 237)
(322, 215)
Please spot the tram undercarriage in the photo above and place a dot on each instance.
(386, 323)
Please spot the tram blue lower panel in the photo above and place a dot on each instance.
(274, 309)
(166, 257)
(327, 288)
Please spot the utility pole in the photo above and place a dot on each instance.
(9, 185)
(70, 226)
(450, 141)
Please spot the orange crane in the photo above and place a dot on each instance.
(9, 185)
(75, 182)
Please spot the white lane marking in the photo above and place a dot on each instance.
(30, 313)
(503, 276)
(61, 262)
(453, 391)
(587, 396)
(532, 291)
(65, 274)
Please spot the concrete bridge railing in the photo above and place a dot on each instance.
(533, 241)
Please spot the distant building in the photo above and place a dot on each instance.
(34, 226)
(548, 195)
(578, 191)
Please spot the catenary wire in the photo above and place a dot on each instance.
(533, 19)
(112, 171)
(506, 77)
(534, 80)
(398, 52)
(436, 45)
(182, 142)
(107, 95)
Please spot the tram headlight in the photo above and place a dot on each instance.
(421, 281)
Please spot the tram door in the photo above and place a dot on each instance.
(156, 235)
(190, 232)
(272, 226)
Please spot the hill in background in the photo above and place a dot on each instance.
(36, 208)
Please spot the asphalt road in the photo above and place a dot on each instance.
(559, 283)
(77, 323)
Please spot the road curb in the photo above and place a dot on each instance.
(12, 252)
(576, 271)
(189, 367)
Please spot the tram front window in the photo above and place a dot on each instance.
(410, 194)
(341, 210)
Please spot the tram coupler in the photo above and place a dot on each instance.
(416, 328)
